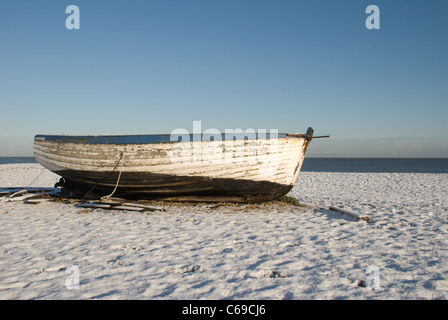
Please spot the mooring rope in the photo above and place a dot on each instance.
(118, 180)
(43, 169)
(115, 189)
(25, 161)
(118, 162)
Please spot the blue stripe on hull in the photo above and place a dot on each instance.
(156, 138)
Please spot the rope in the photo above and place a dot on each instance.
(116, 185)
(118, 180)
(36, 178)
(23, 161)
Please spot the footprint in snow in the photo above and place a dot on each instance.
(272, 274)
(186, 269)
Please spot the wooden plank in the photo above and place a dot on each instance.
(22, 197)
(127, 208)
(18, 193)
(29, 196)
(351, 214)
(95, 205)
(124, 202)
(36, 200)
(4, 193)
(121, 206)
(145, 207)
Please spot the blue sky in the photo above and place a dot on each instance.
(137, 67)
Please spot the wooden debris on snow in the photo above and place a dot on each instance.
(4, 193)
(18, 193)
(351, 214)
(113, 205)
(28, 194)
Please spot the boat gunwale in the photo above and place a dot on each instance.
(162, 138)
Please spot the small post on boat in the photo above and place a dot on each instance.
(309, 133)
(308, 137)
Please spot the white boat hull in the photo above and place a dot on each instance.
(235, 170)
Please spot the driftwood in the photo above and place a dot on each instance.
(351, 214)
(4, 193)
(34, 195)
(115, 205)
(16, 194)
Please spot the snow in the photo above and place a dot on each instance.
(253, 251)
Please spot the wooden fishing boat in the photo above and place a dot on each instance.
(237, 167)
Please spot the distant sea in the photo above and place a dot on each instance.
(8, 160)
(410, 165)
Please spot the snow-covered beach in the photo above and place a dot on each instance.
(210, 251)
